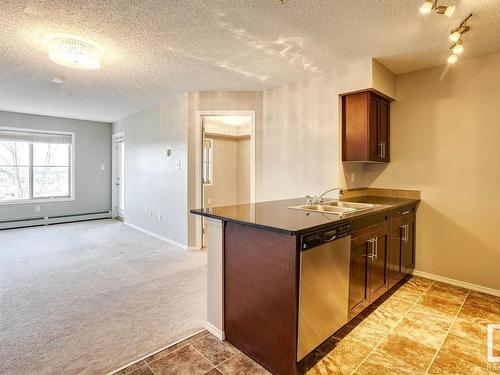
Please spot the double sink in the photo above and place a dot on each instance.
(335, 207)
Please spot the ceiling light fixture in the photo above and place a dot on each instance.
(234, 120)
(427, 7)
(57, 79)
(448, 11)
(455, 34)
(456, 37)
(457, 48)
(74, 52)
(430, 5)
(452, 59)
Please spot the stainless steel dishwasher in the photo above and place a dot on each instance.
(324, 285)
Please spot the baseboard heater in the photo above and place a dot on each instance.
(49, 220)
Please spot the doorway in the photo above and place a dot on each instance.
(118, 196)
(227, 162)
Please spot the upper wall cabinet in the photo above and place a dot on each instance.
(365, 127)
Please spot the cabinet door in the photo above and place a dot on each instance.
(358, 276)
(408, 245)
(373, 128)
(377, 260)
(383, 130)
(394, 272)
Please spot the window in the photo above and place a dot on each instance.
(35, 165)
(207, 162)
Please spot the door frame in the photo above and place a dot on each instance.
(115, 138)
(198, 166)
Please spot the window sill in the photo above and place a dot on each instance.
(35, 201)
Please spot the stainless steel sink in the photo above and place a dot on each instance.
(334, 207)
(356, 206)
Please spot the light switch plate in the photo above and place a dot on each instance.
(178, 164)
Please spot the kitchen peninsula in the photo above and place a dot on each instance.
(289, 275)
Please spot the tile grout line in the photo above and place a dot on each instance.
(150, 369)
(390, 331)
(155, 353)
(447, 333)
(209, 361)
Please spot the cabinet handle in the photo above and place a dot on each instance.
(371, 248)
(383, 150)
(379, 150)
(370, 242)
(406, 234)
(376, 249)
(406, 212)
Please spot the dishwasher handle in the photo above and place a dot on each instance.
(329, 234)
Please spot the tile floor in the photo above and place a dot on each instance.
(419, 327)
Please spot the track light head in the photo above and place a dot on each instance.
(452, 59)
(446, 10)
(457, 48)
(455, 35)
(427, 7)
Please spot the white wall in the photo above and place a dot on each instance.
(152, 182)
(445, 142)
(300, 136)
(92, 149)
(219, 101)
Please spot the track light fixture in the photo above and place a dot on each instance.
(456, 37)
(429, 5)
(456, 33)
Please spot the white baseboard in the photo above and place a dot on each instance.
(215, 331)
(178, 244)
(463, 284)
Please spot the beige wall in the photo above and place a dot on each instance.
(445, 141)
(300, 139)
(231, 172)
(219, 101)
(243, 170)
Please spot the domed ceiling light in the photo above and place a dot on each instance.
(74, 52)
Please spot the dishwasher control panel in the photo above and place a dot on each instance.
(322, 236)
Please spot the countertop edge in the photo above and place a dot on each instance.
(408, 201)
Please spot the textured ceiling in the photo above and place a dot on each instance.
(158, 48)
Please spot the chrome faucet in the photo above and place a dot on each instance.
(320, 198)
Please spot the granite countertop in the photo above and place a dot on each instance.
(276, 216)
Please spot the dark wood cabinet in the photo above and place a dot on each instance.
(365, 127)
(367, 280)
(261, 295)
(401, 252)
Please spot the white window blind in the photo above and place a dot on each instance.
(22, 136)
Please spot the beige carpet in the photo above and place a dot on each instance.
(87, 298)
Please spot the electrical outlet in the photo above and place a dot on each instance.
(353, 177)
(178, 165)
(37, 208)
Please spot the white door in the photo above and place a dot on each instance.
(120, 181)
